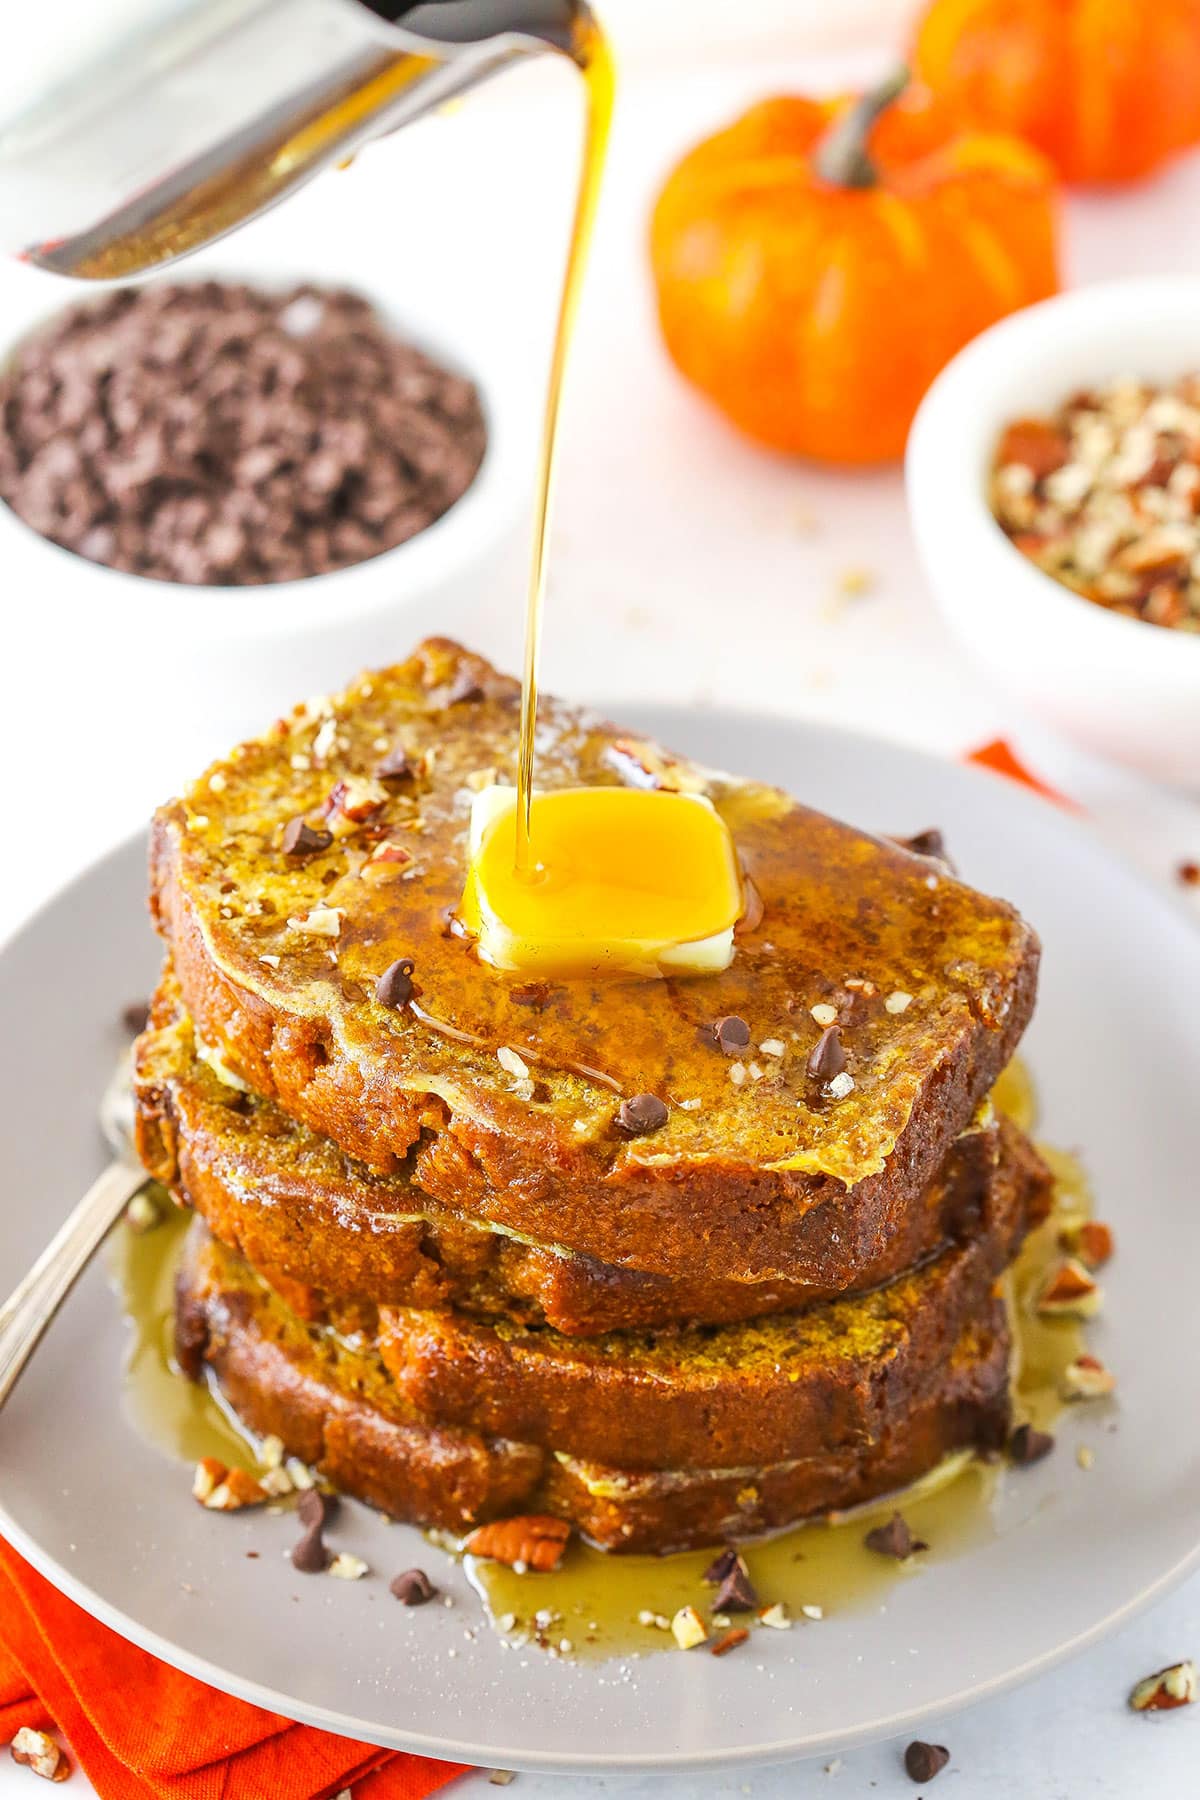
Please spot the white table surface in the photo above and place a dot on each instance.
(686, 566)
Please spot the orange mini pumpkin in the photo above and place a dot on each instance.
(818, 262)
(1107, 88)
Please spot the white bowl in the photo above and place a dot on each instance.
(212, 664)
(1120, 687)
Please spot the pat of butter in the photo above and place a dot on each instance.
(627, 881)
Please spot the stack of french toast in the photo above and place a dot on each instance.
(676, 1260)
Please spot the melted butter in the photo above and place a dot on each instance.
(628, 881)
(594, 1600)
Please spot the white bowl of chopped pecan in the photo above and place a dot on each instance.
(1054, 488)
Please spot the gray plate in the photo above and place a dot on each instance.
(1116, 1053)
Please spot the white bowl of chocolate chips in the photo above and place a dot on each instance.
(222, 493)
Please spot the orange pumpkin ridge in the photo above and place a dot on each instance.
(818, 262)
(1108, 89)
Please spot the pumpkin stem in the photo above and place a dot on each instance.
(841, 156)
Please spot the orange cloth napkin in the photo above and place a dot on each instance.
(1001, 759)
(141, 1730)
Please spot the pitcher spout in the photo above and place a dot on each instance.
(162, 127)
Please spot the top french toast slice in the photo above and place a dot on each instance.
(499, 1093)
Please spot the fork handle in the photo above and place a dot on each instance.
(35, 1300)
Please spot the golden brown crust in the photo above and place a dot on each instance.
(763, 1182)
(632, 1512)
(297, 1207)
(333, 1408)
(335, 1411)
(764, 1391)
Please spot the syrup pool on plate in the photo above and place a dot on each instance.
(182, 1418)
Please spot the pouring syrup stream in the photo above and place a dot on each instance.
(594, 59)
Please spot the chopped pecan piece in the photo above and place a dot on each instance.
(222, 1489)
(688, 1628)
(38, 1751)
(1069, 1290)
(527, 1541)
(1165, 1689)
(1090, 1240)
(1087, 1379)
(355, 799)
(1036, 445)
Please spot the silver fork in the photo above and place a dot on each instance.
(34, 1302)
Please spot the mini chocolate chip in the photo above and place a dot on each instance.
(396, 766)
(1027, 1445)
(852, 1005)
(463, 687)
(923, 1761)
(300, 839)
(641, 1114)
(531, 993)
(924, 843)
(736, 1593)
(135, 1017)
(315, 1508)
(310, 1556)
(720, 1567)
(395, 986)
(191, 1340)
(1189, 874)
(894, 1539)
(413, 1588)
(827, 1058)
(731, 1034)
(753, 908)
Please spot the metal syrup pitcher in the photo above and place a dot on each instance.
(134, 131)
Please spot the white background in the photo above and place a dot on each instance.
(688, 567)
